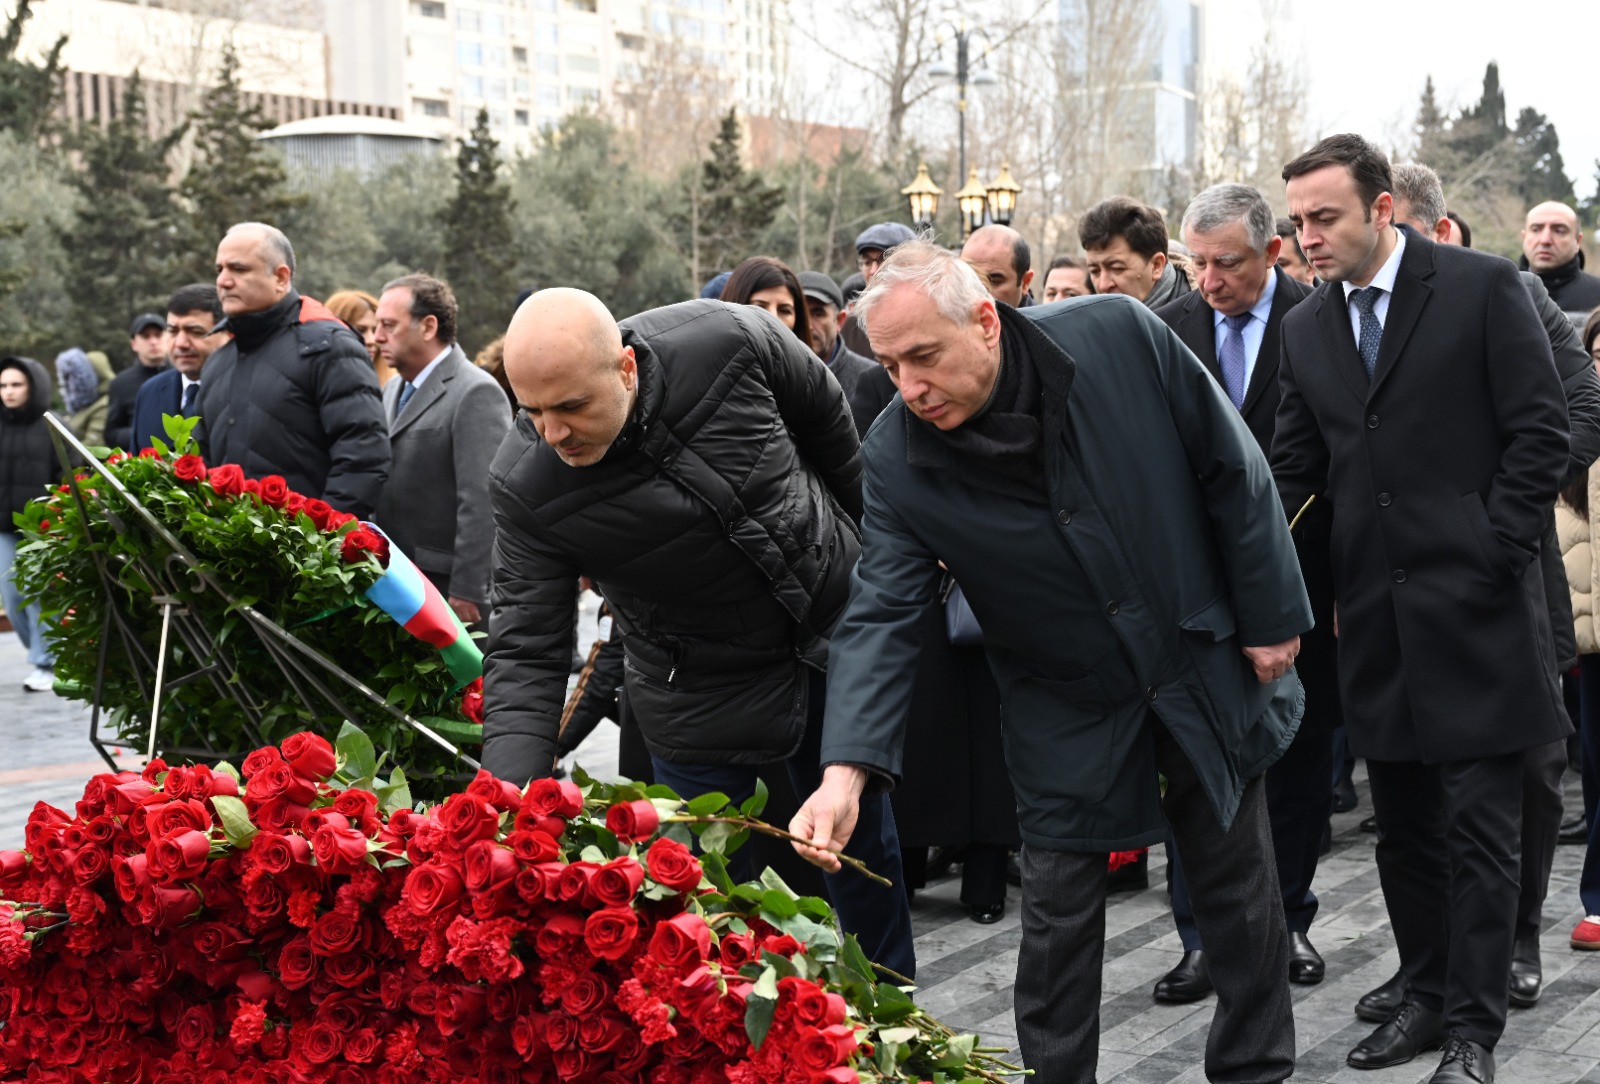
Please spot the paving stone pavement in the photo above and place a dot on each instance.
(966, 970)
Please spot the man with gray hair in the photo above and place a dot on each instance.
(1151, 630)
(1231, 320)
(294, 393)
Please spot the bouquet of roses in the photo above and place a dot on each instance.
(292, 558)
(299, 921)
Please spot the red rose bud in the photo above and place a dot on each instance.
(309, 755)
(337, 519)
(467, 819)
(615, 882)
(144, 453)
(472, 703)
(169, 818)
(361, 543)
(226, 480)
(13, 863)
(674, 865)
(181, 856)
(682, 942)
(432, 888)
(131, 875)
(318, 511)
(189, 468)
(554, 798)
(633, 821)
(339, 849)
(260, 760)
(504, 796)
(533, 846)
(275, 854)
(273, 491)
(490, 867)
(165, 906)
(821, 1050)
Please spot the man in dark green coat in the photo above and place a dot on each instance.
(1118, 536)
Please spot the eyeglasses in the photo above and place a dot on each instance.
(864, 261)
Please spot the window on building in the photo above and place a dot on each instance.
(548, 97)
(428, 9)
(585, 64)
(522, 118)
(494, 56)
(582, 34)
(660, 21)
(494, 89)
(494, 26)
(547, 64)
(469, 54)
(692, 28)
(546, 5)
(545, 34)
(468, 20)
(716, 32)
(519, 86)
(431, 107)
(470, 86)
(715, 7)
(590, 6)
(497, 118)
(631, 42)
(519, 57)
(583, 95)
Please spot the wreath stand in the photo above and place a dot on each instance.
(314, 678)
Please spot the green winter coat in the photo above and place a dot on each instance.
(1161, 550)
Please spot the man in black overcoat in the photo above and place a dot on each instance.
(1419, 395)
(1231, 320)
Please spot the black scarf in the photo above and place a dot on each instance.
(1000, 446)
(251, 329)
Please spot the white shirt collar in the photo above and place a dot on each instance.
(428, 369)
(1384, 279)
(186, 380)
(1262, 309)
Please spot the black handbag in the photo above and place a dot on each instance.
(960, 625)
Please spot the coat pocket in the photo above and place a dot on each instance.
(1494, 554)
(1060, 738)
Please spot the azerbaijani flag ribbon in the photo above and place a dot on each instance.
(409, 597)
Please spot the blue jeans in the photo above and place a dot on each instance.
(879, 917)
(24, 615)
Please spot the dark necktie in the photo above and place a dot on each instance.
(190, 394)
(1366, 301)
(406, 392)
(1233, 359)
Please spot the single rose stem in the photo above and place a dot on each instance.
(778, 833)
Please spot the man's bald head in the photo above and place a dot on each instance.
(1001, 258)
(565, 360)
(255, 268)
(1550, 236)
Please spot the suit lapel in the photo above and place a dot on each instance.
(427, 395)
(1265, 372)
(1411, 293)
(1333, 317)
(1198, 331)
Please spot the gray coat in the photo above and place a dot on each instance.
(436, 504)
(1159, 549)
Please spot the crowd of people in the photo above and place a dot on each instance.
(1021, 586)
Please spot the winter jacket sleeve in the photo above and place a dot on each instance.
(1578, 380)
(351, 412)
(814, 410)
(533, 603)
(478, 425)
(1258, 557)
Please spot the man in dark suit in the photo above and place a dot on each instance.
(193, 312)
(446, 420)
(1419, 395)
(148, 338)
(1231, 321)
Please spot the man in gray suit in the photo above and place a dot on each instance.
(446, 419)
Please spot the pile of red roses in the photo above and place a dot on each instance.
(187, 924)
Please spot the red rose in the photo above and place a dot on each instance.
(466, 820)
(297, 962)
(198, 1025)
(279, 780)
(533, 846)
(490, 867)
(504, 796)
(615, 882)
(144, 453)
(274, 853)
(339, 849)
(323, 1043)
(350, 969)
(337, 932)
(251, 486)
(682, 942)
(674, 865)
(89, 864)
(280, 814)
(259, 760)
(189, 468)
(165, 906)
(633, 820)
(361, 806)
(169, 818)
(601, 1032)
(361, 543)
(217, 941)
(472, 704)
(431, 888)
(363, 1046)
(572, 886)
(587, 994)
(554, 798)
(273, 491)
(820, 1050)
(610, 932)
(734, 949)
(309, 755)
(13, 863)
(554, 935)
(318, 511)
(181, 856)
(130, 874)
(226, 480)
(337, 519)
(839, 1074)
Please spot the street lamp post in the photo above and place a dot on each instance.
(964, 76)
(924, 196)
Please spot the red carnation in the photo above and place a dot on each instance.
(633, 820)
(674, 865)
(249, 1025)
(189, 468)
(361, 543)
(226, 480)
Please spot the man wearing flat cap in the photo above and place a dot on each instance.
(867, 385)
(872, 245)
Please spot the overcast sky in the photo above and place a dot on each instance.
(1364, 79)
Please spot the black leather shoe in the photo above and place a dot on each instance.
(1014, 869)
(1464, 1062)
(942, 859)
(1574, 831)
(1344, 797)
(1378, 1006)
(988, 914)
(1305, 962)
(1412, 1031)
(1133, 877)
(1527, 977)
(1370, 824)
(1189, 981)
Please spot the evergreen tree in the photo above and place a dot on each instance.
(1432, 133)
(735, 205)
(1543, 175)
(123, 243)
(478, 255)
(28, 91)
(1481, 130)
(234, 178)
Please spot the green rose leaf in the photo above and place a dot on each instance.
(760, 1007)
(708, 805)
(357, 757)
(235, 819)
(756, 804)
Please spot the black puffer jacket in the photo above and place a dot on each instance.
(28, 463)
(720, 610)
(294, 394)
